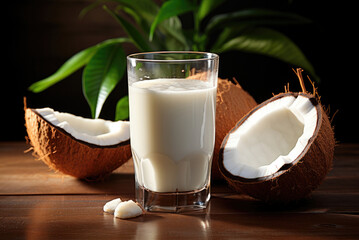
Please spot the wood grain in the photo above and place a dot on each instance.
(36, 203)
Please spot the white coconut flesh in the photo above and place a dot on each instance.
(274, 135)
(94, 131)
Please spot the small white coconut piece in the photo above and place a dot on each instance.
(128, 209)
(110, 206)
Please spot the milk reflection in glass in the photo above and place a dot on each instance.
(173, 135)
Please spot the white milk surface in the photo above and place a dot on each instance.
(172, 133)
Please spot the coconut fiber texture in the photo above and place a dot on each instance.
(61, 152)
(296, 180)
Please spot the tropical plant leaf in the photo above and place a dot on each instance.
(207, 6)
(270, 43)
(171, 33)
(73, 64)
(170, 9)
(70, 66)
(101, 75)
(122, 109)
(139, 21)
(171, 37)
(227, 34)
(131, 31)
(90, 7)
(146, 9)
(255, 17)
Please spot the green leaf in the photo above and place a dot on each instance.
(76, 62)
(134, 15)
(171, 34)
(147, 9)
(131, 31)
(70, 66)
(102, 74)
(170, 9)
(255, 17)
(122, 109)
(90, 7)
(207, 6)
(227, 34)
(270, 43)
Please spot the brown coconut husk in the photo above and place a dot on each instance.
(63, 153)
(296, 180)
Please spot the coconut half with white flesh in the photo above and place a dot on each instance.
(80, 147)
(281, 150)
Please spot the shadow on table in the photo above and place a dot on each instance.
(115, 183)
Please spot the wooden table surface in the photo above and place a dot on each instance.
(36, 203)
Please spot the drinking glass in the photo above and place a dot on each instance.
(172, 97)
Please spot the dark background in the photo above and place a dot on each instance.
(40, 35)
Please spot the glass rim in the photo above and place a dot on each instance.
(206, 56)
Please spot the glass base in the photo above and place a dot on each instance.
(173, 202)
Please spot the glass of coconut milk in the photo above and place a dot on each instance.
(172, 98)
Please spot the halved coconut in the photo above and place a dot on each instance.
(80, 147)
(281, 150)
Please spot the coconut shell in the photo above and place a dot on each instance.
(296, 180)
(232, 104)
(63, 153)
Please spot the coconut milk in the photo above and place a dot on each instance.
(172, 133)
